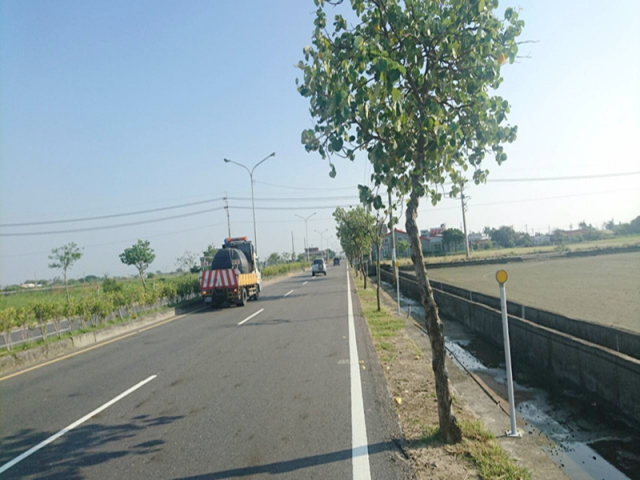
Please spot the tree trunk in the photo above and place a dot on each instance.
(378, 275)
(144, 284)
(66, 285)
(449, 428)
(364, 271)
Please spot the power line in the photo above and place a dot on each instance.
(297, 199)
(173, 207)
(524, 200)
(296, 208)
(293, 199)
(106, 227)
(574, 177)
(303, 188)
(115, 215)
(118, 242)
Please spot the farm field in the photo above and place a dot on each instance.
(603, 289)
(613, 242)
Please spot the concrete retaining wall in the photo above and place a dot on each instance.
(611, 375)
(618, 339)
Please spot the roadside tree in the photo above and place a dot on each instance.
(140, 255)
(25, 320)
(209, 253)
(274, 259)
(402, 247)
(452, 238)
(187, 261)
(354, 228)
(503, 236)
(413, 83)
(63, 258)
(7, 322)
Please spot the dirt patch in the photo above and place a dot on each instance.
(600, 289)
(407, 369)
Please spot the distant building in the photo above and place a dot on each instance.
(477, 237)
(434, 235)
(539, 240)
(314, 252)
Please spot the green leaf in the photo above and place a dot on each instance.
(395, 94)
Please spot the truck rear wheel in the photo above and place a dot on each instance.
(243, 298)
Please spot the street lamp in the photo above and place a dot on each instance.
(321, 238)
(253, 205)
(306, 232)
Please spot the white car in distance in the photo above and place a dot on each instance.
(319, 266)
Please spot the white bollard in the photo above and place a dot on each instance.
(501, 277)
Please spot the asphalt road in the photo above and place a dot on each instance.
(214, 394)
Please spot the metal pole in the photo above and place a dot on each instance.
(253, 207)
(306, 239)
(226, 201)
(507, 353)
(306, 231)
(464, 222)
(393, 253)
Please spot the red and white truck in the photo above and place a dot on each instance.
(234, 276)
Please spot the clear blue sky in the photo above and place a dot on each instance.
(113, 107)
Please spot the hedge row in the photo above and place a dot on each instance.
(281, 269)
(96, 307)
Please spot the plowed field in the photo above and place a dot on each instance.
(603, 289)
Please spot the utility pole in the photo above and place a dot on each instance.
(226, 207)
(394, 264)
(293, 249)
(464, 223)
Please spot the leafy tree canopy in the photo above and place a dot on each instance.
(452, 236)
(210, 252)
(354, 227)
(140, 255)
(63, 258)
(413, 84)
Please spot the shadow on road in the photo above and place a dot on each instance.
(86, 446)
(287, 466)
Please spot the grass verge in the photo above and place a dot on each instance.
(412, 385)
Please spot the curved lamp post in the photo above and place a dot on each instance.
(253, 205)
(306, 231)
(321, 238)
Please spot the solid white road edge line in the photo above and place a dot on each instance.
(359, 447)
(75, 424)
(288, 293)
(251, 316)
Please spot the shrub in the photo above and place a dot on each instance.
(110, 285)
(7, 321)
